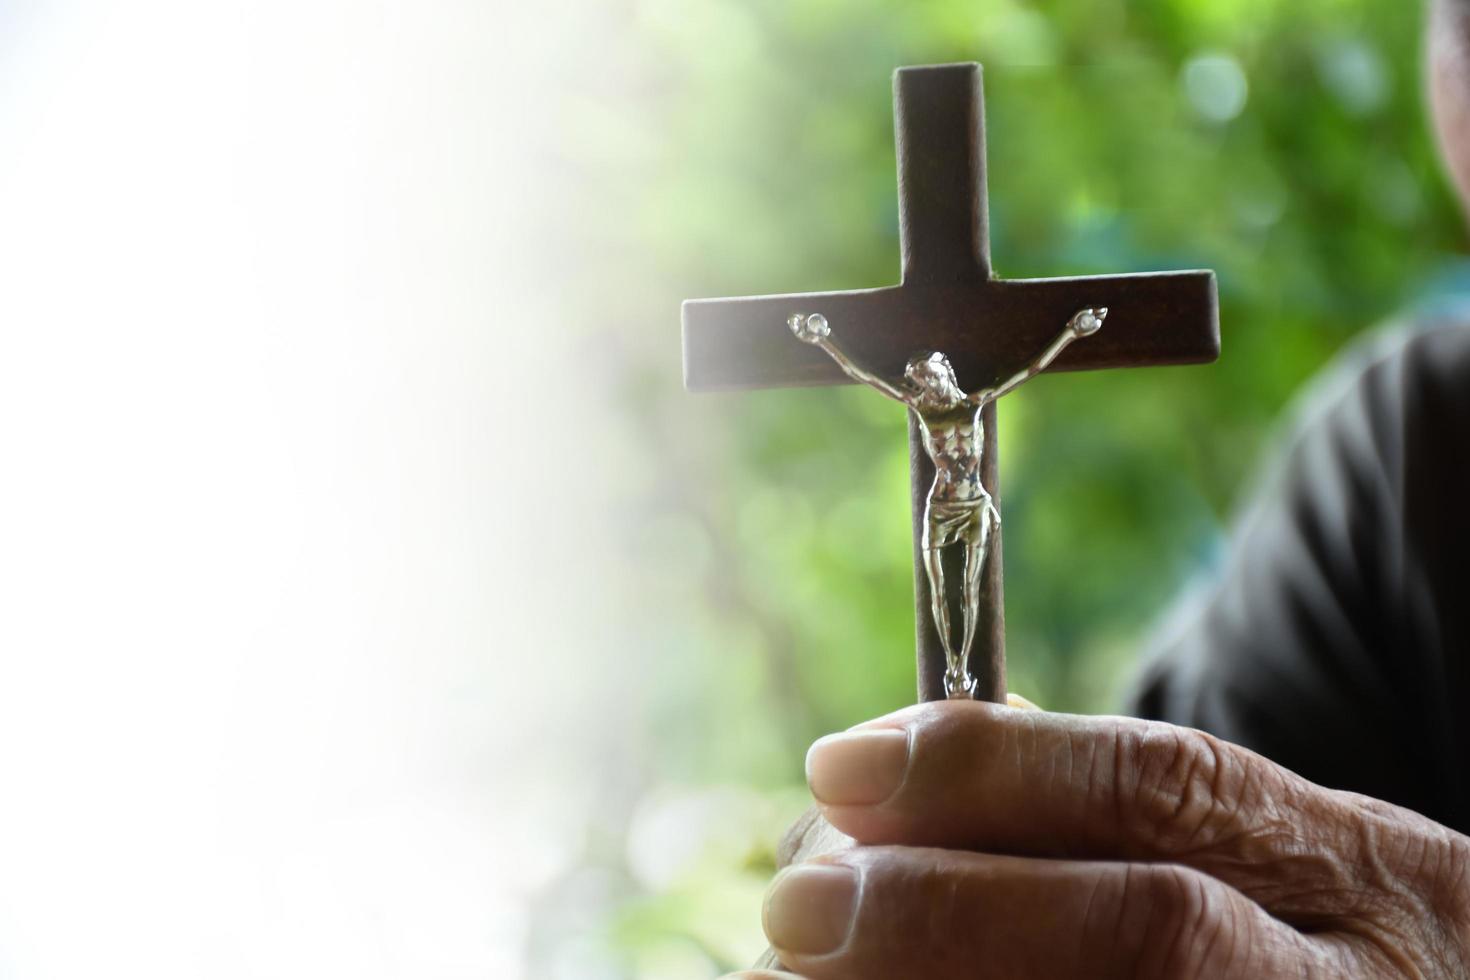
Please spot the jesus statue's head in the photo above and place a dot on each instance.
(935, 376)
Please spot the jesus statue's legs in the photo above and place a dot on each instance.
(975, 554)
(938, 601)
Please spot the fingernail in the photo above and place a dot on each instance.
(857, 768)
(809, 909)
(1015, 700)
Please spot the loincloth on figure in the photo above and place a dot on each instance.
(955, 521)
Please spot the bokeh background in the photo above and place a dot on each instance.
(375, 601)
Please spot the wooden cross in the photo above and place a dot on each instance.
(949, 301)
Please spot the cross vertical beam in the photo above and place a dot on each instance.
(944, 235)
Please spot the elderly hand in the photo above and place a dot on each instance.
(997, 842)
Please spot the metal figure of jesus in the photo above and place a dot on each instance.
(959, 510)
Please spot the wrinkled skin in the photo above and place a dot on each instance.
(1026, 844)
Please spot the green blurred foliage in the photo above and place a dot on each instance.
(1281, 142)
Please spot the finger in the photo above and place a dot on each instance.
(984, 777)
(916, 912)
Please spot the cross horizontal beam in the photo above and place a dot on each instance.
(987, 329)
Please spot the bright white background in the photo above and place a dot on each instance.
(290, 424)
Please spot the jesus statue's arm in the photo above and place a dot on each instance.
(815, 331)
(1083, 324)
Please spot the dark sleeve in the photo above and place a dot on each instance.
(1337, 637)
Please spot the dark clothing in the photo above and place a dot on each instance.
(1337, 640)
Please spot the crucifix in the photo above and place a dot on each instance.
(991, 334)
